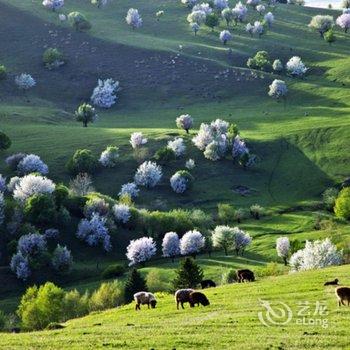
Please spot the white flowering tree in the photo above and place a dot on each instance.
(321, 23)
(137, 140)
(129, 189)
(181, 181)
(25, 81)
(296, 67)
(195, 27)
(220, 4)
(104, 94)
(223, 237)
(283, 248)
(204, 6)
(109, 157)
(3, 186)
(20, 266)
(184, 122)
(277, 66)
(278, 89)
(171, 245)
(253, 3)
(62, 259)
(198, 17)
(2, 208)
(269, 19)
(191, 243)
(260, 9)
(315, 255)
(121, 213)
(32, 163)
(133, 18)
(140, 250)
(227, 15)
(225, 36)
(190, 164)
(94, 231)
(53, 4)
(343, 21)
(148, 174)
(239, 148)
(249, 28)
(258, 28)
(241, 240)
(177, 146)
(32, 184)
(239, 12)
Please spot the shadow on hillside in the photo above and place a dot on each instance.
(144, 75)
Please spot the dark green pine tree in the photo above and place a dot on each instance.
(188, 275)
(135, 283)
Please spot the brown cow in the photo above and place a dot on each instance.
(245, 275)
(343, 293)
(197, 298)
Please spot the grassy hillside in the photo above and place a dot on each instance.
(231, 321)
(159, 81)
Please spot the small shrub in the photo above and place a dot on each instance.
(226, 213)
(165, 154)
(272, 269)
(113, 271)
(75, 305)
(229, 277)
(3, 72)
(53, 58)
(108, 296)
(5, 141)
(260, 61)
(40, 209)
(157, 282)
(79, 21)
(329, 197)
(83, 161)
(2, 320)
(342, 204)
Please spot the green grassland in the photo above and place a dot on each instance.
(230, 322)
(303, 148)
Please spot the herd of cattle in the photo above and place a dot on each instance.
(189, 295)
(194, 297)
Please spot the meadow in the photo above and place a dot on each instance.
(165, 71)
(230, 321)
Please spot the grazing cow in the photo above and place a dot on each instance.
(197, 298)
(245, 275)
(343, 294)
(144, 298)
(208, 284)
(332, 283)
(183, 296)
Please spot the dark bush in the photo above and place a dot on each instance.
(165, 154)
(3, 72)
(83, 161)
(112, 271)
(135, 283)
(53, 58)
(40, 209)
(5, 141)
(79, 21)
(61, 194)
(75, 205)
